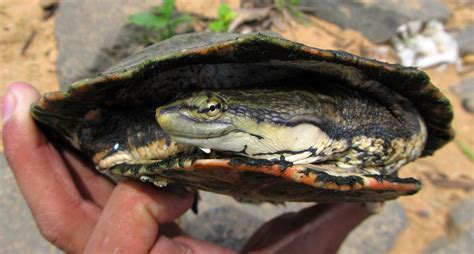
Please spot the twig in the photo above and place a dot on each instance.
(27, 42)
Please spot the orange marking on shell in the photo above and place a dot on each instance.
(225, 164)
(224, 49)
(386, 185)
(317, 52)
(45, 100)
(293, 174)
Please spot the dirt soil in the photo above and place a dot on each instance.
(27, 46)
(28, 52)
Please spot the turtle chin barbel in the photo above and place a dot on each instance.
(296, 123)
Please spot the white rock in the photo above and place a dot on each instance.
(425, 44)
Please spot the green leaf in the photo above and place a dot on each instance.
(167, 8)
(223, 10)
(148, 19)
(294, 2)
(225, 13)
(161, 19)
(217, 26)
(229, 16)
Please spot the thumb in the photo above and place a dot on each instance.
(16, 109)
(19, 130)
(17, 101)
(20, 134)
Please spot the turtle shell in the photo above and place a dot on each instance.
(197, 61)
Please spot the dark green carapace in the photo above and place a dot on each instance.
(256, 117)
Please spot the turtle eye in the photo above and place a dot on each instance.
(206, 106)
(213, 108)
(210, 109)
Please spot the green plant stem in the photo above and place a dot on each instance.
(465, 149)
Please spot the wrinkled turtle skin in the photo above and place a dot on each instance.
(111, 118)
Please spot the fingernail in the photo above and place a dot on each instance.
(8, 106)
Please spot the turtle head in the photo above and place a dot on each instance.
(217, 120)
(253, 123)
(195, 117)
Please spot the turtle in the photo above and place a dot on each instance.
(255, 116)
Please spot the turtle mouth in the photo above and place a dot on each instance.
(190, 128)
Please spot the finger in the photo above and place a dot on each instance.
(188, 245)
(173, 238)
(131, 217)
(328, 225)
(61, 214)
(92, 185)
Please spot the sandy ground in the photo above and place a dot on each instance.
(28, 53)
(27, 46)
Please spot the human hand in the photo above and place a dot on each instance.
(78, 210)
